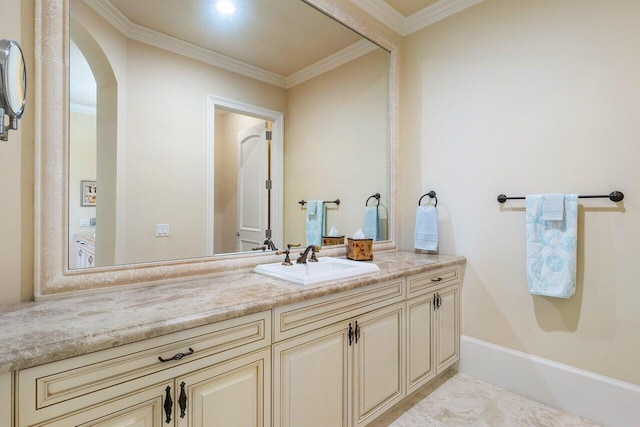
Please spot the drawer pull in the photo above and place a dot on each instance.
(357, 333)
(168, 405)
(182, 401)
(177, 356)
(439, 279)
(350, 334)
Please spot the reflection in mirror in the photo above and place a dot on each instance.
(194, 134)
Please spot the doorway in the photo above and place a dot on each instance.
(244, 176)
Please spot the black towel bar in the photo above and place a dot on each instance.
(336, 201)
(614, 196)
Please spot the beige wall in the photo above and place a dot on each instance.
(342, 160)
(82, 166)
(16, 170)
(527, 97)
(227, 127)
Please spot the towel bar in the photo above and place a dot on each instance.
(336, 201)
(614, 196)
(431, 194)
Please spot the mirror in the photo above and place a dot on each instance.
(13, 85)
(168, 190)
(317, 153)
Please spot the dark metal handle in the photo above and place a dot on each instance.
(168, 405)
(350, 334)
(431, 194)
(177, 356)
(435, 302)
(439, 300)
(439, 279)
(375, 196)
(182, 400)
(357, 332)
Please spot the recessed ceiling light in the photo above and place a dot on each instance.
(225, 6)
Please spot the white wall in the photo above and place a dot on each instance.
(522, 97)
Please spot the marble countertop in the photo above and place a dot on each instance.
(34, 333)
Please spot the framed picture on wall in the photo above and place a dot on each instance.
(88, 196)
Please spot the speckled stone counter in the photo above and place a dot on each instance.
(40, 332)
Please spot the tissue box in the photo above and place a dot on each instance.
(360, 249)
(332, 240)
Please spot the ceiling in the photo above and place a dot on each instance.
(409, 7)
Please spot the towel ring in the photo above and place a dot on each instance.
(431, 194)
(374, 196)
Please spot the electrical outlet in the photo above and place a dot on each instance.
(162, 230)
(85, 222)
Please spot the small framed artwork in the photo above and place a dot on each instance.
(88, 196)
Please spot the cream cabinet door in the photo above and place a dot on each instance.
(311, 379)
(448, 325)
(378, 362)
(145, 408)
(421, 344)
(235, 393)
(6, 399)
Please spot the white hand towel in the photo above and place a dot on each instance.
(551, 249)
(552, 207)
(425, 236)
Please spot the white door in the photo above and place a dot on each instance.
(252, 193)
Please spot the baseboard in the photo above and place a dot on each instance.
(598, 398)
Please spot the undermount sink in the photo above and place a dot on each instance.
(326, 268)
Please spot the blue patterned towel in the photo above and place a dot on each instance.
(315, 222)
(551, 248)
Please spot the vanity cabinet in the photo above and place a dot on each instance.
(342, 359)
(164, 381)
(433, 325)
(346, 373)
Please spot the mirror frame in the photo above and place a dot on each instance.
(52, 275)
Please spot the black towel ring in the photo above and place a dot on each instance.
(431, 194)
(374, 196)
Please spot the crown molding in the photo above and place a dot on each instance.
(405, 25)
(335, 60)
(151, 37)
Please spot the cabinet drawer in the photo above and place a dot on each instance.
(306, 316)
(424, 282)
(45, 387)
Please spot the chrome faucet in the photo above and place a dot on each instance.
(305, 253)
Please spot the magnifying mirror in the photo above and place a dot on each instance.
(13, 85)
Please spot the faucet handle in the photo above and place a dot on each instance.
(287, 260)
(259, 248)
(293, 245)
(314, 251)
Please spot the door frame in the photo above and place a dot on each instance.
(277, 164)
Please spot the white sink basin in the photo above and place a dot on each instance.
(315, 272)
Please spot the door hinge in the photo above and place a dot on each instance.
(268, 184)
(269, 135)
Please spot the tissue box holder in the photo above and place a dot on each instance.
(332, 240)
(360, 249)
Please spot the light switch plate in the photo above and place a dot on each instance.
(162, 230)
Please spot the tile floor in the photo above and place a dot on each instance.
(455, 399)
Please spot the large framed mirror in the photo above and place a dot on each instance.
(175, 143)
